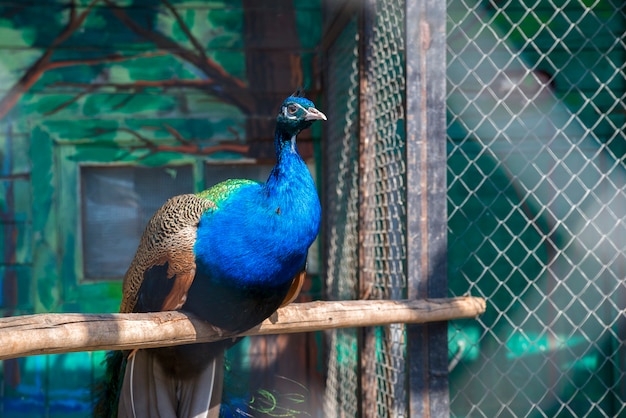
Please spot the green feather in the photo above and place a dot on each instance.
(221, 191)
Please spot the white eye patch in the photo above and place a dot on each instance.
(289, 115)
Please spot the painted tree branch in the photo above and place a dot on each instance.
(228, 88)
(30, 77)
(43, 64)
(69, 102)
(60, 333)
(220, 83)
(183, 26)
(187, 146)
(142, 84)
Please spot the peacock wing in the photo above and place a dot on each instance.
(294, 290)
(167, 249)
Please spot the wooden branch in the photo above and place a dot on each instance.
(60, 333)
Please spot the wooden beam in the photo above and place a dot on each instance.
(60, 333)
(426, 202)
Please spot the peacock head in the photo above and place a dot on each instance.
(297, 113)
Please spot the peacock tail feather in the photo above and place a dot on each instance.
(107, 391)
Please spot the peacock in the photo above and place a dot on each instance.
(230, 255)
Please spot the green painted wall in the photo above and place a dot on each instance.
(151, 84)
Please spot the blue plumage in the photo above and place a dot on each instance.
(255, 241)
(229, 254)
(260, 234)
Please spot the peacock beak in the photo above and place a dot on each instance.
(314, 114)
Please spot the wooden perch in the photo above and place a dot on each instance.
(60, 333)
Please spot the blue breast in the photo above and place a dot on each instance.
(260, 234)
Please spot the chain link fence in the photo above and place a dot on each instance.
(382, 209)
(342, 214)
(537, 206)
(365, 211)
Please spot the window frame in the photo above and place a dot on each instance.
(82, 211)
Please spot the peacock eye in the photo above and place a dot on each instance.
(292, 109)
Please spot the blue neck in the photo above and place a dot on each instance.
(289, 168)
(264, 231)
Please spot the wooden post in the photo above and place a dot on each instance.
(427, 345)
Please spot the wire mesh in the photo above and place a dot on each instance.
(365, 211)
(383, 177)
(383, 188)
(537, 204)
(341, 194)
